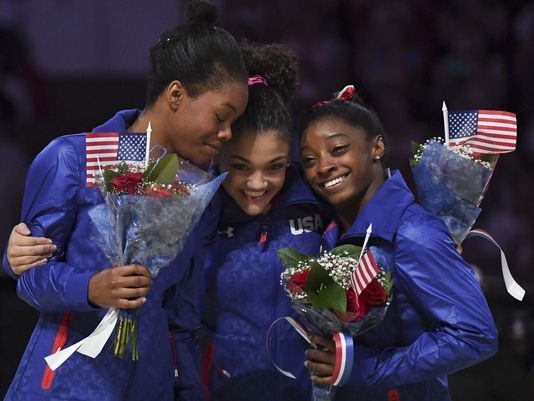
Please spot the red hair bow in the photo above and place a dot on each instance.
(346, 93)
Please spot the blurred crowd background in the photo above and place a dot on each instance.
(67, 66)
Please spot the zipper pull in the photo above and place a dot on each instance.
(174, 357)
(263, 235)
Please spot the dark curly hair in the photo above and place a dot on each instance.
(197, 53)
(267, 107)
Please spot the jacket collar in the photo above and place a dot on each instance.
(384, 210)
(119, 122)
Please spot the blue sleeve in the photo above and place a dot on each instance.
(460, 329)
(49, 209)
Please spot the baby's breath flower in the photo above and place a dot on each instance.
(291, 271)
(339, 267)
(421, 148)
(463, 151)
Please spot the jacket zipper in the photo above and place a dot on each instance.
(207, 361)
(174, 357)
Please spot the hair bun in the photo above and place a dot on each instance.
(274, 62)
(201, 12)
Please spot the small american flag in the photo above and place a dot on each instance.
(485, 131)
(364, 273)
(108, 148)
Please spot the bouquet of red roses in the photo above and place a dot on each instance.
(342, 293)
(336, 292)
(146, 218)
(150, 209)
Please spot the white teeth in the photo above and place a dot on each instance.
(254, 194)
(333, 182)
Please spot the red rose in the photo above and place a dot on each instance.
(157, 192)
(296, 282)
(126, 183)
(352, 302)
(352, 308)
(372, 295)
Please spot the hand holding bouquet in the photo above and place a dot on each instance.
(146, 219)
(341, 294)
(150, 208)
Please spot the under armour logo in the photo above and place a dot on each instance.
(229, 232)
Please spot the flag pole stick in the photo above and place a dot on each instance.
(367, 235)
(148, 134)
(99, 166)
(445, 122)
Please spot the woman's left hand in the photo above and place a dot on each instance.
(321, 359)
(25, 252)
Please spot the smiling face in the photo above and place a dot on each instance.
(256, 164)
(204, 122)
(340, 163)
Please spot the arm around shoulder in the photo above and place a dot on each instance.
(25, 252)
(50, 210)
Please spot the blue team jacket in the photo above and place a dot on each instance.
(438, 321)
(244, 296)
(56, 202)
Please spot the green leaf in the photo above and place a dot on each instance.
(388, 283)
(323, 291)
(317, 277)
(291, 257)
(108, 175)
(163, 171)
(417, 148)
(489, 158)
(352, 250)
(122, 168)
